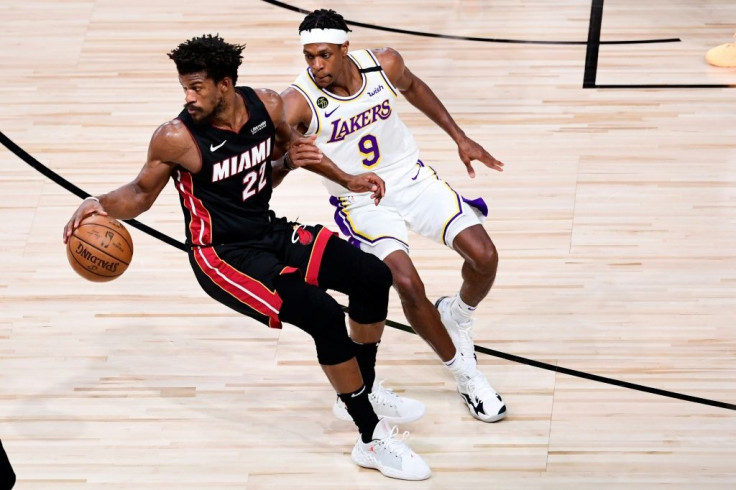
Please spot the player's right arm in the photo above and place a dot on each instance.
(171, 145)
(423, 98)
(298, 116)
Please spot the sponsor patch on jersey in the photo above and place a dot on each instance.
(375, 91)
(258, 128)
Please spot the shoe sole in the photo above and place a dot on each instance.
(389, 472)
(492, 420)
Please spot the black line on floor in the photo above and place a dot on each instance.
(286, 6)
(47, 172)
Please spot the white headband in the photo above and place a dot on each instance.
(332, 36)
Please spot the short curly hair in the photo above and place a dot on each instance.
(323, 19)
(210, 54)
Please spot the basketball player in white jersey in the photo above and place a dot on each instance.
(348, 100)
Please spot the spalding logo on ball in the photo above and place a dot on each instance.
(100, 249)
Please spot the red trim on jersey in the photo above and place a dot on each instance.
(200, 221)
(288, 270)
(315, 260)
(242, 287)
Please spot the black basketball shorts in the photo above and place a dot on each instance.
(241, 275)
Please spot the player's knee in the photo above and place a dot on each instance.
(372, 276)
(369, 294)
(318, 314)
(410, 288)
(483, 259)
(333, 346)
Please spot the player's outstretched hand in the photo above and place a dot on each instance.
(303, 152)
(88, 207)
(368, 182)
(469, 150)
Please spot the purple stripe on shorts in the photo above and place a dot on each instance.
(342, 223)
(479, 204)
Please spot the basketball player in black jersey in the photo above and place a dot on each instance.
(221, 154)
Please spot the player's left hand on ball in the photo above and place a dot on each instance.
(469, 150)
(368, 182)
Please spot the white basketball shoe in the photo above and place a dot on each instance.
(390, 455)
(387, 405)
(483, 402)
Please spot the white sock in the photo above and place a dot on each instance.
(458, 367)
(460, 310)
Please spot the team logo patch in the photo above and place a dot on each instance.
(322, 102)
(302, 235)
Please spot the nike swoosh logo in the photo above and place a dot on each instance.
(215, 148)
(328, 114)
(360, 392)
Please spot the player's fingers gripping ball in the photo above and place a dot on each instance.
(100, 249)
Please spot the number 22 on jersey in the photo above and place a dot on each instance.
(249, 181)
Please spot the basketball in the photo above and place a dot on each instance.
(100, 249)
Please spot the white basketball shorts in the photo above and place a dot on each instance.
(416, 200)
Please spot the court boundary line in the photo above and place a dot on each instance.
(396, 30)
(592, 44)
(591, 60)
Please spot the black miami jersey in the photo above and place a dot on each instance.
(227, 200)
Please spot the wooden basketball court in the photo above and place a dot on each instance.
(615, 221)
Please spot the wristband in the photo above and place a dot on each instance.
(92, 197)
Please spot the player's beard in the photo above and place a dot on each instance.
(205, 118)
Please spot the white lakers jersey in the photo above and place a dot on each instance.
(363, 132)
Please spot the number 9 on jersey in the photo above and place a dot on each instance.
(368, 146)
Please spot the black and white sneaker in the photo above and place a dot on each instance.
(480, 397)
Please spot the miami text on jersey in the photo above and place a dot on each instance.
(239, 163)
(341, 129)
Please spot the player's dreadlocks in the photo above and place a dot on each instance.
(211, 54)
(323, 19)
